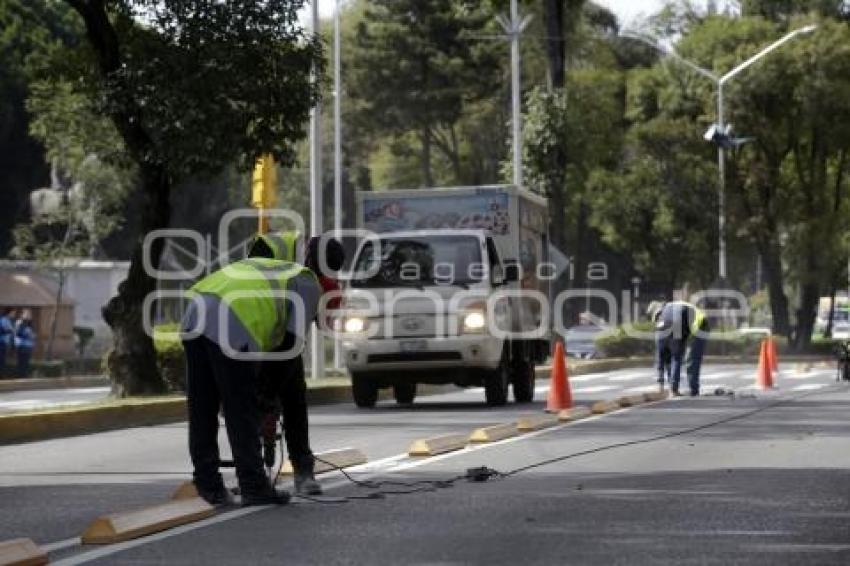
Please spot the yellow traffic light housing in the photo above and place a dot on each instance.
(264, 188)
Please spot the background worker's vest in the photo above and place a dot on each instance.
(695, 315)
(282, 244)
(246, 287)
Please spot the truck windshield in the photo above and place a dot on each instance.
(419, 261)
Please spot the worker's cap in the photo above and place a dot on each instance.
(283, 246)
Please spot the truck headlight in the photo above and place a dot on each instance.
(474, 322)
(354, 325)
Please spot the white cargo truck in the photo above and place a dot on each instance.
(450, 287)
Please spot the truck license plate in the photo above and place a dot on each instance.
(408, 346)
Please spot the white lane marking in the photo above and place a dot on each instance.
(594, 389)
(719, 375)
(405, 463)
(588, 377)
(807, 375)
(643, 389)
(85, 390)
(809, 387)
(36, 403)
(60, 545)
(632, 376)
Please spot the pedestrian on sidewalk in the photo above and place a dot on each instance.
(7, 336)
(24, 343)
(680, 328)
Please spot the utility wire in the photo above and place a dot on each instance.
(485, 473)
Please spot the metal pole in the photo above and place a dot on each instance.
(337, 145)
(721, 197)
(515, 94)
(317, 357)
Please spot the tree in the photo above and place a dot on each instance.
(652, 208)
(190, 87)
(29, 31)
(71, 218)
(418, 64)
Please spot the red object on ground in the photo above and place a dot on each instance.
(560, 397)
(771, 352)
(764, 376)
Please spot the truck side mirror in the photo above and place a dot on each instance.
(511, 273)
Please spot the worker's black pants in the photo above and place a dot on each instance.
(285, 380)
(215, 380)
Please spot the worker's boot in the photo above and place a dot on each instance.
(305, 480)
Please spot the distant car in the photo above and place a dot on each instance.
(841, 331)
(580, 340)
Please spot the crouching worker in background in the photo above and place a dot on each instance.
(283, 380)
(237, 316)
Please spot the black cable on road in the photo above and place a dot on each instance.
(484, 473)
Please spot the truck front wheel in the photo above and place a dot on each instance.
(404, 393)
(364, 390)
(496, 384)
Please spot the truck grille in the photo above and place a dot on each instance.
(414, 357)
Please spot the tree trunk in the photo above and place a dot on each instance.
(809, 298)
(48, 355)
(831, 316)
(425, 157)
(132, 361)
(776, 289)
(553, 15)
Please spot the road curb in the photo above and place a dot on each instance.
(73, 421)
(42, 425)
(40, 383)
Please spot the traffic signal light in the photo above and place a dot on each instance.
(264, 183)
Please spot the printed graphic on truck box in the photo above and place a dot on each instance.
(486, 211)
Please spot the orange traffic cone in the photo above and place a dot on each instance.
(560, 397)
(771, 353)
(764, 377)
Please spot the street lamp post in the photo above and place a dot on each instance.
(720, 82)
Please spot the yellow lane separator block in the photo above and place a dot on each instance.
(494, 433)
(119, 527)
(536, 422)
(333, 460)
(655, 396)
(438, 445)
(602, 407)
(631, 400)
(574, 414)
(187, 490)
(21, 552)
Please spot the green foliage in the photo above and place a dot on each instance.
(653, 208)
(246, 64)
(417, 65)
(170, 357)
(621, 345)
(29, 31)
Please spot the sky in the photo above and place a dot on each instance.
(626, 10)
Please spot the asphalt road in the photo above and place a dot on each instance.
(18, 401)
(758, 478)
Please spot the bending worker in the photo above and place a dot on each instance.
(238, 316)
(283, 380)
(679, 326)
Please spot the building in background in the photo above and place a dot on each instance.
(89, 285)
